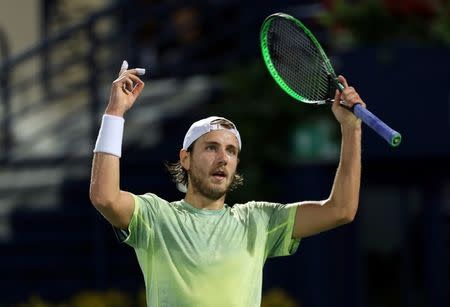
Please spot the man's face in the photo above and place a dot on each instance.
(212, 163)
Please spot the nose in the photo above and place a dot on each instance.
(222, 157)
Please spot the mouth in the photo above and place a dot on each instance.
(219, 175)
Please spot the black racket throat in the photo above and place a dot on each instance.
(332, 87)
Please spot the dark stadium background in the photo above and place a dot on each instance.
(203, 58)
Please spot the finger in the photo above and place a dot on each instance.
(124, 67)
(351, 97)
(124, 82)
(348, 92)
(337, 103)
(133, 84)
(337, 97)
(138, 88)
(134, 78)
(140, 71)
(128, 84)
(129, 79)
(132, 72)
(138, 84)
(136, 71)
(343, 81)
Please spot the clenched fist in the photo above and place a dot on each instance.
(349, 96)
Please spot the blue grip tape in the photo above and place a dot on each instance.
(390, 135)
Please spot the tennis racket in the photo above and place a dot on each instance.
(301, 68)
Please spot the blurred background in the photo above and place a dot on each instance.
(58, 59)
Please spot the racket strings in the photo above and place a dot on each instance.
(305, 63)
(297, 60)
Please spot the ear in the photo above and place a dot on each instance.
(184, 159)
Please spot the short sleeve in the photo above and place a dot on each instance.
(279, 220)
(140, 231)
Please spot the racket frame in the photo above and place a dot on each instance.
(391, 136)
(271, 67)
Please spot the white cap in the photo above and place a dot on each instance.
(206, 125)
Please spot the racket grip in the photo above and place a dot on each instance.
(390, 135)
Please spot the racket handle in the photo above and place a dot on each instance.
(390, 135)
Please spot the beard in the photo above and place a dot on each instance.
(210, 191)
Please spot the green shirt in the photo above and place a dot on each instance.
(196, 257)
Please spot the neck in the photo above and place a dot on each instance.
(200, 201)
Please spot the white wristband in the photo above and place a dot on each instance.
(109, 138)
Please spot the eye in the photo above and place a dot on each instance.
(231, 151)
(211, 147)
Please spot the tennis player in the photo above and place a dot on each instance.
(199, 251)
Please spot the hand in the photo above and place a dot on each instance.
(125, 90)
(344, 116)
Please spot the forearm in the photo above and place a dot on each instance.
(105, 182)
(104, 188)
(115, 205)
(345, 192)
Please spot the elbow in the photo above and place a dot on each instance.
(347, 216)
(100, 200)
(96, 200)
(344, 211)
(344, 214)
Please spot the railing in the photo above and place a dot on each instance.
(46, 76)
(4, 53)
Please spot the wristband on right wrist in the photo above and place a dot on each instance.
(110, 136)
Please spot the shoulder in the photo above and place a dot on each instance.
(150, 201)
(150, 198)
(147, 200)
(245, 207)
(254, 207)
(263, 209)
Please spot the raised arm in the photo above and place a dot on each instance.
(105, 194)
(341, 206)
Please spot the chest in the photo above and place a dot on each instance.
(204, 241)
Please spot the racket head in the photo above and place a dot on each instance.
(296, 60)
